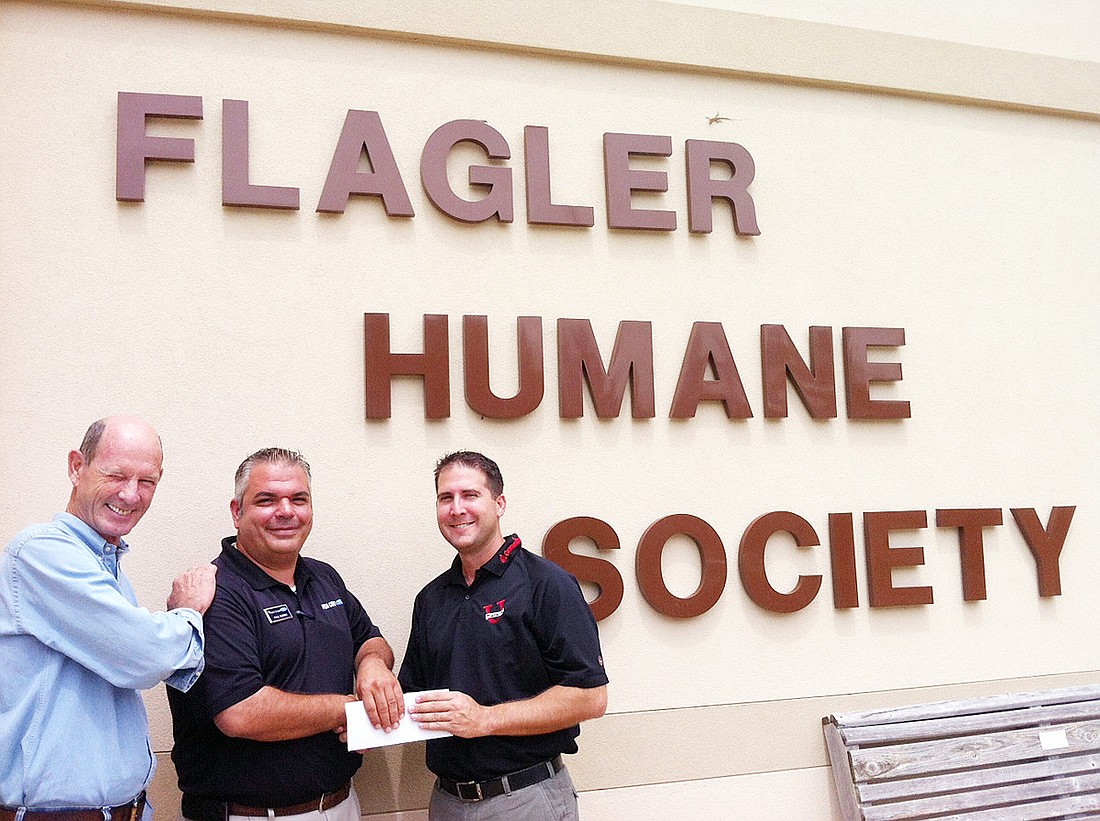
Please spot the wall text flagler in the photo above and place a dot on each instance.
(363, 136)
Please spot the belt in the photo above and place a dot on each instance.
(123, 812)
(200, 809)
(480, 790)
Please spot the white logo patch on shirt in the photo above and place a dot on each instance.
(279, 612)
(331, 604)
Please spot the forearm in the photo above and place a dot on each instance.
(375, 649)
(274, 715)
(551, 710)
(376, 686)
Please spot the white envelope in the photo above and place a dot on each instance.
(362, 735)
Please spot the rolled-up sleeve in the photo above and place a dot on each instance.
(185, 677)
(63, 596)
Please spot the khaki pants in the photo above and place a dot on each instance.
(554, 799)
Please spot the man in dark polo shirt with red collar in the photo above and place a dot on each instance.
(286, 645)
(511, 638)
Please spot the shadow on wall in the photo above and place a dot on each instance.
(394, 779)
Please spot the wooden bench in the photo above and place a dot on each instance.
(1020, 757)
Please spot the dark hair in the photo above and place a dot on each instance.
(279, 456)
(473, 459)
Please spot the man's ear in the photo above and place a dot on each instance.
(76, 464)
(235, 511)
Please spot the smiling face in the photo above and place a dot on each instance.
(274, 516)
(113, 489)
(467, 513)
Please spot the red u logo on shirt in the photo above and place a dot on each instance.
(492, 615)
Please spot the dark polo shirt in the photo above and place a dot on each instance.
(520, 628)
(260, 632)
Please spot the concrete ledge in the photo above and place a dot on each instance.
(691, 38)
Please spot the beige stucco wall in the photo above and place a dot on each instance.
(940, 185)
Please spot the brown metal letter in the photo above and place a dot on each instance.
(702, 189)
(970, 523)
(236, 189)
(621, 181)
(536, 163)
(780, 360)
(1045, 543)
(479, 393)
(631, 360)
(647, 566)
(882, 559)
(708, 348)
(859, 373)
(750, 562)
(600, 572)
(496, 179)
(382, 365)
(133, 146)
(363, 131)
(842, 559)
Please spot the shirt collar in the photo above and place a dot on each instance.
(500, 562)
(90, 536)
(253, 573)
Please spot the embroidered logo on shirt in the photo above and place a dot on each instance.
(509, 550)
(279, 612)
(493, 616)
(331, 604)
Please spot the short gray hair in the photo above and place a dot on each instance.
(275, 456)
(90, 443)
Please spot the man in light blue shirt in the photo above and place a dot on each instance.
(75, 647)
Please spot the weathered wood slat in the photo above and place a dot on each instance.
(1055, 809)
(966, 752)
(977, 779)
(981, 704)
(842, 773)
(1022, 757)
(1007, 796)
(916, 730)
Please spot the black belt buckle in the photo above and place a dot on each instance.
(466, 794)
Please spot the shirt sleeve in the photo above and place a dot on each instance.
(412, 672)
(234, 670)
(567, 634)
(184, 679)
(64, 597)
(362, 628)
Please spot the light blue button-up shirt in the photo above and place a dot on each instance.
(74, 650)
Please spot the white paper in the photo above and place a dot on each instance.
(362, 735)
(1053, 739)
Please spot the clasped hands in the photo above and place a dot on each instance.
(449, 711)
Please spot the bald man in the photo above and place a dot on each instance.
(75, 647)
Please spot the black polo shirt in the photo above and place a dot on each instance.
(520, 628)
(260, 632)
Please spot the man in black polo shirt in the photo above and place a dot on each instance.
(511, 637)
(286, 645)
